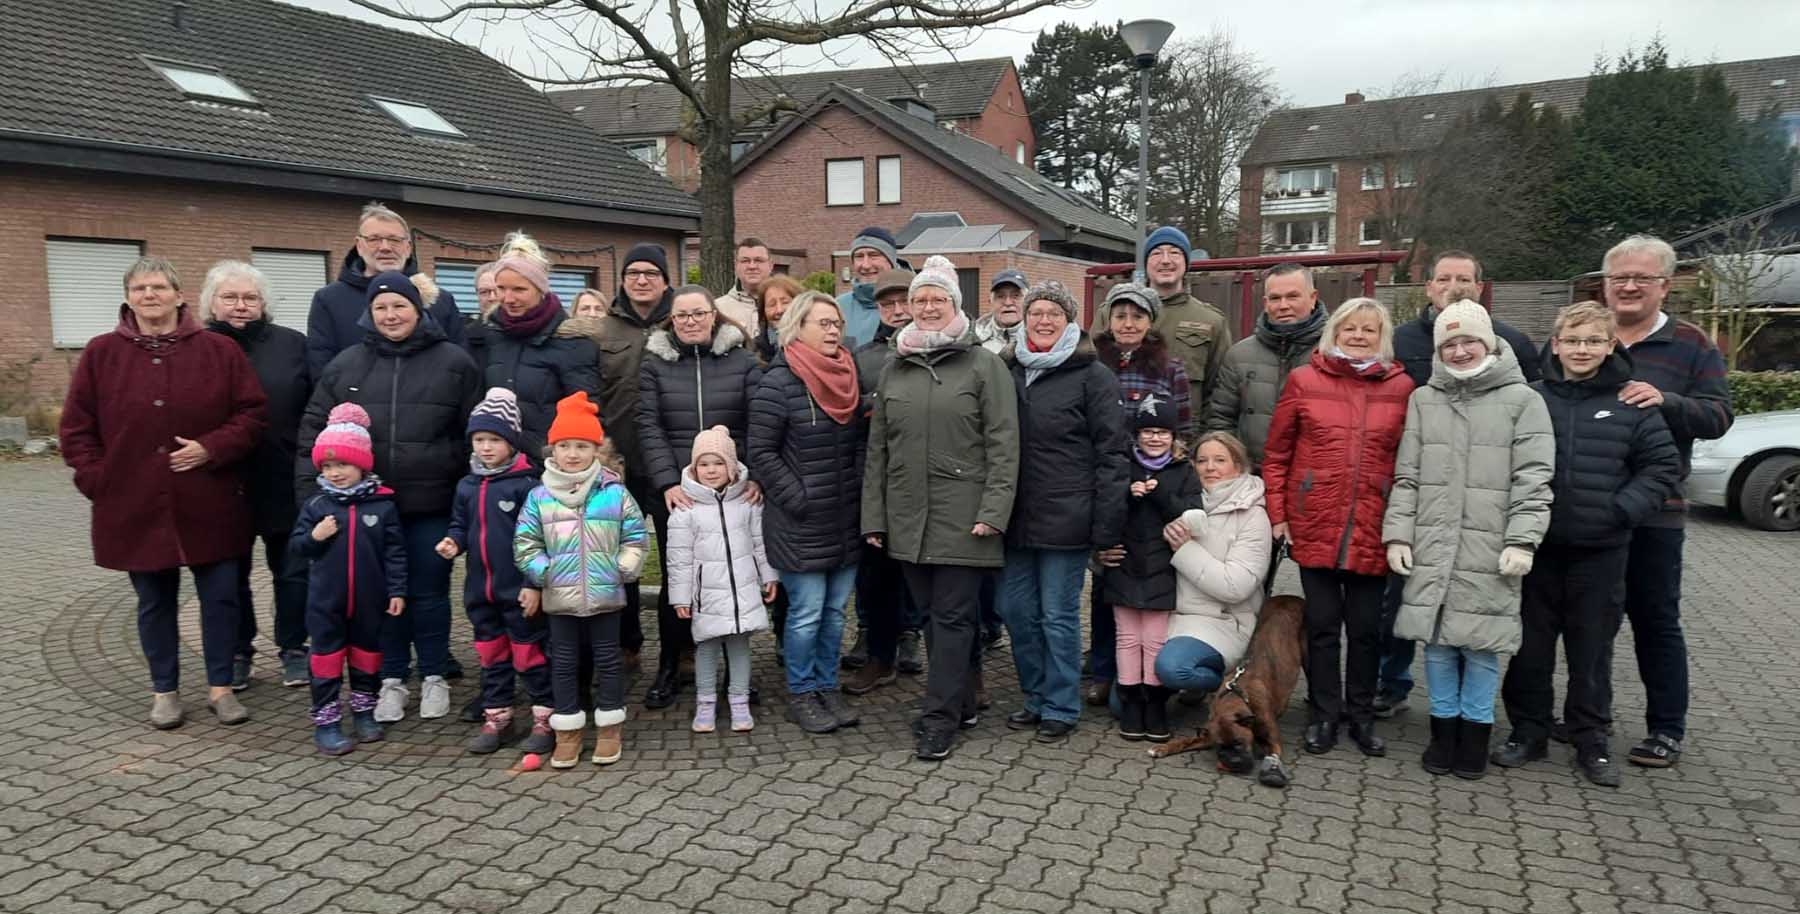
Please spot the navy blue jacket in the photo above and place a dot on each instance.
(1682, 362)
(364, 565)
(333, 325)
(810, 469)
(1413, 347)
(484, 513)
(1615, 464)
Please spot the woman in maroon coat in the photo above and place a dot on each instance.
(158, 411)
(1327, 468)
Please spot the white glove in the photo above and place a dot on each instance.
(1515, 561)
(1400, 558)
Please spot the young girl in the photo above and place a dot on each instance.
(482, 521)
(1139, 581)
(350, 532)
(581, 539)
(719, 575)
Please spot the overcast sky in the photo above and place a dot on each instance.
(1319, 50)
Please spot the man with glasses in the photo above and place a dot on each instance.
(1676, 369)
(753, 267)
(383, 242)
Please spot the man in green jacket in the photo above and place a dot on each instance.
(1194, 330)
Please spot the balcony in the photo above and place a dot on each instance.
(1297, 202)
(1273, 248)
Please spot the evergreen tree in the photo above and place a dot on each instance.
(1081, 88)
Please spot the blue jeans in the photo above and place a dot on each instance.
(814, 634)
(1189, 663)
(425, 625)
(1462, 682)
(1396, 653)
(1040, 599)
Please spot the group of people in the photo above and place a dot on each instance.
(786, 450)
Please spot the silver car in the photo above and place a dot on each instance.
(1754, 470)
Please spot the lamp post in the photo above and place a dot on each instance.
(1144, 37)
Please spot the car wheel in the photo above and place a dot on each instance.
(1770, 498)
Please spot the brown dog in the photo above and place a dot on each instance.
(1244, 720)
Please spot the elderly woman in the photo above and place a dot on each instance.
(772, 300)
(589, 303)
(158, 414)
(475, 326)
(234, 302)
(524, 352)
(696, 374)
(1072, 491)
(1328, 466)
(938, 487)
(418, 389)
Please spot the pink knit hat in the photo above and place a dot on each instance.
(716, 440)
(533, 271)
(345, 439)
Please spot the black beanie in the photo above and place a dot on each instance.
(646, 253)
(1152, 410)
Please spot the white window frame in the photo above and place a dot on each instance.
(1374, 176)
(658, 159)
(1364, 231)
(203, 83)
(86, 276)
(1321, 178)
(887, 187)
(406, 114)
(842, 188)
(1406, 174)
(1281, 235)
(1019, 151)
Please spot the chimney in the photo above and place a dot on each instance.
(915, 106)
(178, 14)
(1353, 98)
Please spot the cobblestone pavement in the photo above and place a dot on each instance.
(100, 813)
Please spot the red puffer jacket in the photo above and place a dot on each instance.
(1329, 462)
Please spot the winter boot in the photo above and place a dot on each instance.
(741, 721)
(909, 656)
(706, 711)
(609, 736)
(809, 712)
(1519, 750)
(1471, 759)
(496, 731)
(872, 676)
(858, 654)
(838, 708)
(1441, 751)
(1132, 701)
(1156, 713)
(543, 736)
(568, 738)
(367, 730)
(331, 740)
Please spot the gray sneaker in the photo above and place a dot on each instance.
(165, 710)
(838, 708)
(810, 713)
(295, 671)
(240, 673)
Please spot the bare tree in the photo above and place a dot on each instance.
(711, 42)
(1742, 266)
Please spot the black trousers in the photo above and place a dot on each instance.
(1653, 604)
(1350, 604)
(674, 633)
(600, 635)
(341, 639)
(1578, 595)
(952, 597)
(885, 603)
(289, 572)
(159, 602)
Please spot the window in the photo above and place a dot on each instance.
(1301, 233)
(1304, 179)
(1405, 175)
(653, 153)
(204, 83)
(1019, 152)
(293, 278)
(844, 182)
(1790, 125)
(416, 117)
(85, 287)
(739, 147)
(1371, 231)
(1374, 176)
(887, 179)
(458, 279)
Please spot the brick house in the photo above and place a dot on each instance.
(852, 160)
(978, 98)
(1314, 179)
(255, 130)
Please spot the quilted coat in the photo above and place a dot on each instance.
(1219, 573)
(716, 560)
(810, 469)
(539, 369)
(1473, 477)
(683, 389)
(582, 556)
(1252, 374)
(1615, 464)
(1073, 483)
(1329, 462)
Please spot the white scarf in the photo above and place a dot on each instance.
(571, 488)
(1037, 363)
(914, 340)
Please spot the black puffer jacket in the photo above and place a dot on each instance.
(278, 356)
(810, 469)
(418, 393)
(1615, 463)
(683, 390)
(540, 369)
(1072, 446)
(1146, 580)
(335, 322)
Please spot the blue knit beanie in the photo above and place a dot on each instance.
(498, 412)
(879, 239)
(1168, 234)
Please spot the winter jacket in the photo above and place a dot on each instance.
(1145, 579)
(810, 469)
(1472, 477)
(684, 389)
(1252, 374)
(539, 369)
(128, 398)
(1147, 370)
(418, 393)
(862, 315)
(362, 567)
(1413, 346)
(621, 336)
(1196, 333)
(483, 518)
(1680, 360)
(1219, 573)
(1072, 482)
(741, 308)
(1329, 461)
(995, 338)
(581, 557)
(335, 322)
(278, 356)
(1615, 464)
(716, 561)
(943, 456)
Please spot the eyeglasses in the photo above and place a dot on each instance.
(829, 323)
(232, 298)
(643, 275)
(1155, 433)
(1464, 345)
(1626, 279)
(1588, 342)
(395, 240)
(690, 317)
(1046, 315)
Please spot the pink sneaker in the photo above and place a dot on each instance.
(741, 721)
(706, 709)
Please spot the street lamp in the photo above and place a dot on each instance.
(1144, 37)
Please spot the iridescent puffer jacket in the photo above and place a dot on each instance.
(582, 556)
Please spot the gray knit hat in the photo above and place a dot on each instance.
(940, 272)
(1141, 296)
(1051, 290)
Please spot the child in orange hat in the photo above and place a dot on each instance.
(581, 538)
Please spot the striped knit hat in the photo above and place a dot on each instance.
(345, 439)
(498, 412)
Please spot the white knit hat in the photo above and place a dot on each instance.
(1463, 318)
(939, 271)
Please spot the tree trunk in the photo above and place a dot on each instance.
(714, 127)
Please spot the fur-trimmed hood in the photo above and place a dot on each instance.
(726, 337)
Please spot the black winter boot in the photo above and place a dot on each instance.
(1131, 712)
(1472, 749)
(1156, 713)
(661, 693)
(1441, 751)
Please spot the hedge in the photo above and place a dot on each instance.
(1764, 391)
(821, 281)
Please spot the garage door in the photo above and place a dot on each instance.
(86, 287)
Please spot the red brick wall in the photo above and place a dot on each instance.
(1006, 121)
(781, 196)
(195, 224)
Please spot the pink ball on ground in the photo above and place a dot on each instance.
(531, 762)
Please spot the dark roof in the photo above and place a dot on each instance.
(1064, 212)
(1779, 214)
(1335, 132)
(76, 74)
(958, 89)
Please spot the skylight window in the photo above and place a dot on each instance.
(204, 83)
(1026, 182)
(415, 117)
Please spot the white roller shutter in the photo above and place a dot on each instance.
(86, 287)
(293, 278)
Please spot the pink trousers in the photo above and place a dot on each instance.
(1141, 636)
